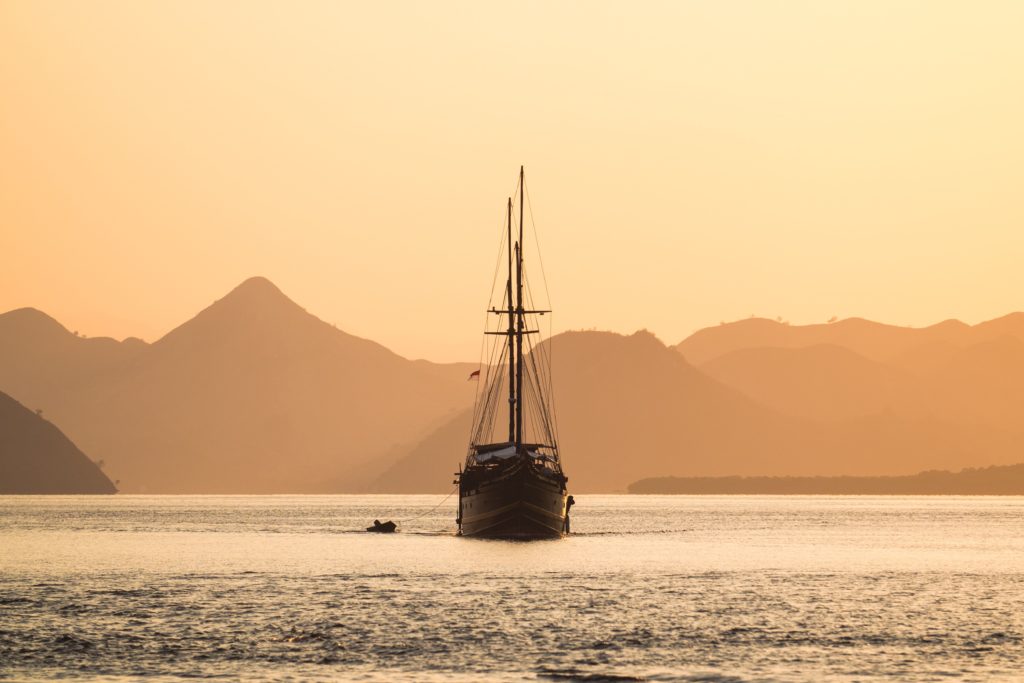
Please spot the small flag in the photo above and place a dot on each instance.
(474, 375)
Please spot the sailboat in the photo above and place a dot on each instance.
(514, 487)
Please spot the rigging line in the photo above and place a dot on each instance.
(543, 371)
(542, 404)
(554, 403)
(538, 388)
(536, 246)
(539, 412)
(482, 407)
(536, 412)
(454, 489)
(504, 290)
(497, 263)
(496, 390)
(490, 299)
(495, 382)
(543, 426)
(528, 406)
(539, 366)
(538, 402)
(518, 188)
(481, 416)
(486, 427)
(515, 189)
(483, 420)
(546, 360)
(538, 375)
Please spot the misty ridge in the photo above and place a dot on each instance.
(255, 395)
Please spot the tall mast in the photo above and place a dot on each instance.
(519, 316)
(511, 335)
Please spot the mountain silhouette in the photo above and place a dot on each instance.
(615, 396)
(255, 395)
(872, 340)
(36, 457)
(251, 395)
(629, 407)
(39, 357)
(824, 381)
(960, 374)
(981, 384)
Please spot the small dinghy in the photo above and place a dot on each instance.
(388, 527)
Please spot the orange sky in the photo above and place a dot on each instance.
(688, 162)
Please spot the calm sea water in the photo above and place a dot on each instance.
(740, 588)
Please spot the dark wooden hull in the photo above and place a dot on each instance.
(514, 501)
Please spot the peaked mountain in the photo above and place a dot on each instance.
(629, 407)
(36, 458)
(872, 340)
(252, 395)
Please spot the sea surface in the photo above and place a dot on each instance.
(659, 588)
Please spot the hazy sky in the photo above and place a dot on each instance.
(688, 162)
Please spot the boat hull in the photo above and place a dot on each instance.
(516, 504)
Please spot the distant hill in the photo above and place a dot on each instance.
(427, 466)
(958, 374)
(981, 384)
(1007, 480)
(630, 407)
(253, 395)
(872, 340)
(823, 382)
(40, 359)
(616, 397)
(36, 458)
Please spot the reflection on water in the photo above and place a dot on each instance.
(650, 588)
